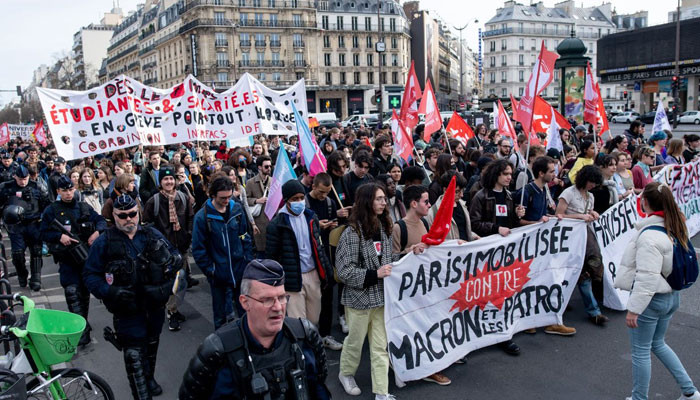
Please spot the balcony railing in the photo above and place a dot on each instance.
(123, 53)
(275, 43)
(259, 43)
(149, 65)
(363, 28)
(122, 40)
(133, 65)
(223, 63)
(266, 23)
(249, 3)
(202, 22)
(221, 43)
(529, 31)
(300, 63)
(245, 43)
(298, 43)
(150, 81)
(261, 64)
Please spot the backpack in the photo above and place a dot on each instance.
(156, 206)
(685, 263)
(404, 231)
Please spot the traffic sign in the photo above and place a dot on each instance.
(394, 100)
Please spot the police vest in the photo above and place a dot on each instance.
(27, 197)
(79, 226)
(278, 374)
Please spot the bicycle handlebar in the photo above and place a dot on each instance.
(14, 297)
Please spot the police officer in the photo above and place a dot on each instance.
(7, 167)
(68, 227)
(23, 202)
(262, 355)
(131, 268)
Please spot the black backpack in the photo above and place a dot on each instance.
(685, 263)
(404, 231)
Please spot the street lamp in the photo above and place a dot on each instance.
(461, 58)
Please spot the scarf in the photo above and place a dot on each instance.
(644, 167)
(171, 209)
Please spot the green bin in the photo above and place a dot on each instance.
(55, 334)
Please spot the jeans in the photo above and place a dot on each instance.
(649, 336)
(224, 301)
(585, 287)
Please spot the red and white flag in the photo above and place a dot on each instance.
(40, 133)
(602, 117)
(542, 75)
(590, 97)
(403, 143)
(542, 117)
(459, 129)
(429, 107)
(4, 133)
(505, 127)
(409, 103)
(513, 104)
(553, 136)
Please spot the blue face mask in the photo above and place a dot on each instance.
(297, 207)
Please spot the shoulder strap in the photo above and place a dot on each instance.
(296, 328)
(425, 224)
(329, 206)
(180, 195)
(156, 204)
(654, 228)
(404, 233)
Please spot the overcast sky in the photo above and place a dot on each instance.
(37, 31)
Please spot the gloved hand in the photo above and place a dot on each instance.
(121, 294)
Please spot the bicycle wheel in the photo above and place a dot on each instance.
(74, 386)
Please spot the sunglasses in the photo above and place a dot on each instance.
(132, 214)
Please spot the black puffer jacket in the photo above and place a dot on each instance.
(482, 212)
(282, 247)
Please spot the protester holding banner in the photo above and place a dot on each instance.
(460, 226)
(623, 176)
(605, 195)
(641, 172)
(363, 259)
(585, 158)
(647, 260)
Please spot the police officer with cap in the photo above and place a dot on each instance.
(131, 268)
(7, 167)
(23, 201)
(262, 355)
(69, 227)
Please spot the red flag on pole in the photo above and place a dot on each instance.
(403, 143)
(4, 134)
(602, 117)
(590, 97)
(514, 104)
(443, 219)
(542, 117)
(505, 127)
(459, 129)
(39, 133)
(542, 75)
(429, 107)
(409, 103)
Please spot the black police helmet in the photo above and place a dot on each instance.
(13, 214)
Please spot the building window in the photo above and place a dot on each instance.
(300, 75)
(556, 74)
(370, 60)
(356, 78)
(275, 57)
(299, 59)
(341, 60)
(369, 42)
(241, 3)
(370, 78)
(556, 92)
(503, 61)
(260, 39)
(492, 77)
(262, 77)
(521, 76)
(261, 58)
(368, 24)
(392, 24)
(273, 20)
(353, 23)
(326, 41)
(504, 92)
(607, 93)
(341, 42)
(356, 60)
(492, 45)
(276, 76)
(222, 76)
(394, 42)
(221, 59)
(219, 18)
(296, 20)
(355, 42)
(270, 3)
(521, 90)
(256, 3)
(245, 58)
(395, 78)
(521, 60)
(258, 19)
(339, 20)
(342, 78)
(327, 60)
(296, 38)
(244, 19)
(521, 44)
(504, 76)
(324, 22)
(329, 78)
(394, 60)
(504, 45)
(220, 39)
(382, 60)
(493, 62)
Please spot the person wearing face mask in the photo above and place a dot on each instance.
(293, 240)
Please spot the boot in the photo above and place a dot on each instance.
(75, 299)
(135, 372)
(151, 353)
(20, 267)
(35, 264)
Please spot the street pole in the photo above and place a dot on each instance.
(677, 72)
(461, 60)
(380, 106)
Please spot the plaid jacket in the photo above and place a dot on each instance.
(354, 257)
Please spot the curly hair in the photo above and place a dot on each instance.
(589, 173)
(363, 215)
(493, 170)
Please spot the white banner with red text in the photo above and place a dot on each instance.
(454, 299)
(124, 112)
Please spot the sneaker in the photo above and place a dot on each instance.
(694, 396)
(530, 331)
(384, 397)
(398, 382)
(329, 342)
(599, 319)
(349, 385)
(438, 378)
(562, 330)
(191, 282)
(173, 322)
(178, 316)
(461, 361)
(343, 324)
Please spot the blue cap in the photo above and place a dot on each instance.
(269, 272)
(21, 172)
(124, 202)
(64, 183)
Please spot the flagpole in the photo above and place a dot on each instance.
(532, 117)
(422, 165)
(447, 139)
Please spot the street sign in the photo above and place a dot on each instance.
(637, 86)
(394, 100)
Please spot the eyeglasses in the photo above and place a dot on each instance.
(270, 301)
(132, 214)
(267, 166)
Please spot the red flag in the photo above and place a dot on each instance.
(505, 127)
(590, 97)
(443, 219)
(4, 134)
(429, 107)
(403, 143)
(40, 133)
(602, 118)
(409, 103)
(542, 75)
(459, 129)
(313, 122)
(542, 116)
(514, 104)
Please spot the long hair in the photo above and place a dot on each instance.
(362, 214)
(93, 184)
(660, 198)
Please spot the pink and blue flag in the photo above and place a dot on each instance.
(283, 173)
(310, 152)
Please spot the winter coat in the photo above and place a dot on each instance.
(282, 247)
(454, 229)
(185, 215)
(221, 248)
(647, 259)
(149, 183)
(482, 212)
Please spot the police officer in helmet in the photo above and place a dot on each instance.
(23, 201)
(69, 227)
(131, 268)
(262, 355)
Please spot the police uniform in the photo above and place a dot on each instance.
(232, 364)
(79, 221)
(134, 278)
(7, 172)
(24, 232)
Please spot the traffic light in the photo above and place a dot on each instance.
(675, 82)
(377, 97)
(624, 94)
(19, 91)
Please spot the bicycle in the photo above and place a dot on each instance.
(47, 337)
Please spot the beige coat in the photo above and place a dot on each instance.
(255, 190)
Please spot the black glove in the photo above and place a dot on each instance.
(121, 294)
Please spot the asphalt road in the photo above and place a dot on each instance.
(680, 131)
(593, 365)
